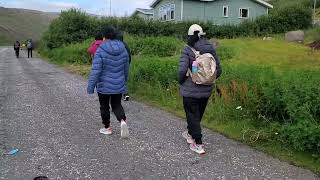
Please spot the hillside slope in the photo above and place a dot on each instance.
(22, 24)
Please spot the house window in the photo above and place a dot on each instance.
(244, 13)
(225, 11)
(172, 9)
(167, 12)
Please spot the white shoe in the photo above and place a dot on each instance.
(188, 137)
(198, 148)
(126, 98)
(106, 131)
(124, 129)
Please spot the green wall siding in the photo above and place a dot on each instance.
(213, 11)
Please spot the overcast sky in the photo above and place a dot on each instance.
(99, 7)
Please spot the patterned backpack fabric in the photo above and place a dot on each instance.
(206, 72)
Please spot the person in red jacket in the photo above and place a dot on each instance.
(95, 45)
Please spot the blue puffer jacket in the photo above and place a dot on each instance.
(110, 69)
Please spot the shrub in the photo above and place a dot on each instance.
(72, 26)
(71, 54)
(303, 135)
(154, 46)
(76, 26)
(154, 71)
(313, 35)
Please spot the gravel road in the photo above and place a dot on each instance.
(46, 113)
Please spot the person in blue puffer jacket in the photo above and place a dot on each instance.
(109, 75)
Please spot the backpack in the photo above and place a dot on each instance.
(29, 45)
(206, 70)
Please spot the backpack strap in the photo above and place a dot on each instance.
(189, 72)
(193, 50)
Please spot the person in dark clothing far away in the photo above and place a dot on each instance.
(16, 48)
(95, 45)
(195, 96)
(30, 48)
(120, 37)
(109, 75)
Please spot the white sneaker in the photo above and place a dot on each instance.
(198, 148)
(124, 129)
(106, 131)
(126, 98)
(188, 137)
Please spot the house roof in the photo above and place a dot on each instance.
(155, 2)
(144, 11)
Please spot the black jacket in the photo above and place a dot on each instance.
(187, 87)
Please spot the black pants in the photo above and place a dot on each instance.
(116, 106)
(29, 52)
(194, 108)
(17, 52)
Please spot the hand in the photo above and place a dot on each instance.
(90, 91)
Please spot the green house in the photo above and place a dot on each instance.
(143, 13)
(216, 11)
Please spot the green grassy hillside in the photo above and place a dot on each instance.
(21, 24)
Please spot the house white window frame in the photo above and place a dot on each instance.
(240, 13)
(227, 11)
(165, 12)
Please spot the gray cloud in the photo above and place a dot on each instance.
(42, 5)
(100, 7)
(119, 7)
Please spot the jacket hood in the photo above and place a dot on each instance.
(98, 42)
(113, 47)
(204, 46)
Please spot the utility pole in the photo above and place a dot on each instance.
(314, 12)
(110, 8)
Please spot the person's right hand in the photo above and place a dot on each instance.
(90, 91)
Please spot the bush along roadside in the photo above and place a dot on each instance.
(74, 26)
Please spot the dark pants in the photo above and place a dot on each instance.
(17, 52)
(116, 106)
(194, 108)
(29, 52)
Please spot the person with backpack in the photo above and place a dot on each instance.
(109, 75)
(95, 45)
(29, 47)
(120, 37)
(199, 67)
(16, 47)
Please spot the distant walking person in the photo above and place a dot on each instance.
(109, 75)
(95, 45)
(16, 48)
(195, 96)
(29, 47)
